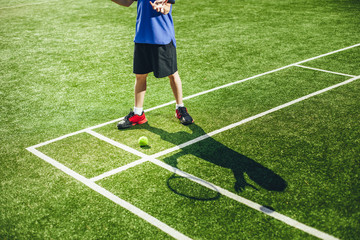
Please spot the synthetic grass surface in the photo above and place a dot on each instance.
(198, 212)
(309, 148)
(347, 62)
(263, 93)
(67, 65)
(89, 156)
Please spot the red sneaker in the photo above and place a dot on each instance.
(131, 120)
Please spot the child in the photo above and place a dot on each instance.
(155, 51)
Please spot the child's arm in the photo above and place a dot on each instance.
(125, 3)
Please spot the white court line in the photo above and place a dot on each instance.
(138, 212)
(194, 95)
(205, 136)
(272, 71)
(127, 205)
(251, 204)
(24, 5)
(322, 70)
(144, 157)
(327, 54)
(119, 169)
(198, 139)
(117, 144)
(285, 219)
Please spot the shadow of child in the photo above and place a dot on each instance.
(215, 152)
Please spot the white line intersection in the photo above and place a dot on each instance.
(153, 158)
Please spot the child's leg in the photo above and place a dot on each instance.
(140, 90)
(181, 111)
(175, 83)
(137, 116)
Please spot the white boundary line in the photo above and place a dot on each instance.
(272, 71)
(322, 70)
(327, 54)
(198, 139)
(195, 95)
(205, 136)
(119, 169)
(172, 232)
(117, 144)
(285, 219)
(249, 203)
(150, 219)
(144, 157)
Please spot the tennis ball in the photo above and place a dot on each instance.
(143, 141)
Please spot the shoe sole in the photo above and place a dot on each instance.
(133, 124)
(187, 123)
(184, 123)
(141, 122)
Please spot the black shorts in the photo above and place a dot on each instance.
(160, 59)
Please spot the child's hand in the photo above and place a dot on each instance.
(161, 6)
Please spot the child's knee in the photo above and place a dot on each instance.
(174, 75)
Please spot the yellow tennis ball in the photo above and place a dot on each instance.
(143, 141)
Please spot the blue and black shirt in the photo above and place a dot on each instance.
(153, 27)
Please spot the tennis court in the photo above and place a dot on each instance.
(273, 153)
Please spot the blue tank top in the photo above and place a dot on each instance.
(153, 27)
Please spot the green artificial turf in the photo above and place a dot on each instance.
(89, 156)
(194, 210)
(66, 66)
(301, 161)
(347, 62)
(263, 93)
